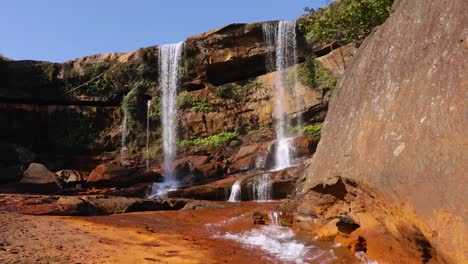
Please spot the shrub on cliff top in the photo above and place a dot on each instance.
(344, 21)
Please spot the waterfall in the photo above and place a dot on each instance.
(262, 188)
(169, 58)
(123, 130)
(148, 111)
(282, 37)
(235, 192)
(274, 218)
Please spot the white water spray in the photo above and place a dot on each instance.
(262, 188)
(274, 218)
(123, 130)
(148, 111)
(283, 37)
(235, 192)
(169, 58)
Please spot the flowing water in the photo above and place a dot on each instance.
(274, 218)
(262, 188)
(123, 130)
(278, 242)
(148, 112)
(282, 37)
(235, 192)
(169, 60)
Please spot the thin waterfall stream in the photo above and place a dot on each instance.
(148, 111)
(169, 61)
(123, 129)
(282, 36)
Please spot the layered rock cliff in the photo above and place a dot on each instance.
(397, 124)
(225, 100)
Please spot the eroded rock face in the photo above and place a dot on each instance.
(360, 218)
(398, 120)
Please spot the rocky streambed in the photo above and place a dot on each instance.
(223, 233)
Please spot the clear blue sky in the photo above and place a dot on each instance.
(59, 30)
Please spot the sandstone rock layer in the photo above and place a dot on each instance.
(398, 119)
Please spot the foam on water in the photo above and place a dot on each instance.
(278, 241)
(160, 190)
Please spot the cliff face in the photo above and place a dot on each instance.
(224, 55)
(398, 120)
(75, 107)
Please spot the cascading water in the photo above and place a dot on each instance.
(148, 111)
(235, 192)
(274, 218)
(123, 130)
(262, 189)
(169, 58)
(282, 36)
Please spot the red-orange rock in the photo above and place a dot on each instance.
(112, 174)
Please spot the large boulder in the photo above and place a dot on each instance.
(197, 168)
(112, 174)
(398, 121)
(38, 179)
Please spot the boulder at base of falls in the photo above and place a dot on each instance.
(197, 168)
(112, 174)
(38, 179)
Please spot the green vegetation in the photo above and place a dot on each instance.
(3, 58)
(313, 130)
(205, 43)
(237, 91)
(312, 73)
(52, 72)
(218, 140)
(112, 79)
(76, 130)
(187, 63)
(195, 102)
(344, 21)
